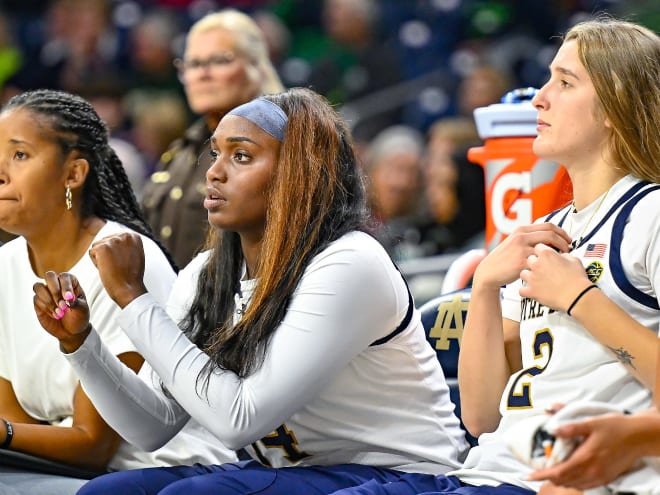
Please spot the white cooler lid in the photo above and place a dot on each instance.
(506, 120)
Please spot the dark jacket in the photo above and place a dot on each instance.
(173, 197)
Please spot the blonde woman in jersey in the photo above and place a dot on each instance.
(300, 339)
(580, 310)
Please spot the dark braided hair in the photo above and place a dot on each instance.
(107, 192)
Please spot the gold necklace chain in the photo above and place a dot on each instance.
(576, 242)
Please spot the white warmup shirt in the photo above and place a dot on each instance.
(324, 394)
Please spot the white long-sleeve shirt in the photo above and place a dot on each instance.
(323, 395)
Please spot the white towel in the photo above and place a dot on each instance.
(536, 445)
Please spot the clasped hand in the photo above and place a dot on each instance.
(504, 264)
(552, 278)
(60, 303)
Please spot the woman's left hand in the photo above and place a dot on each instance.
(62, 309)
(553, 279)
(609, 448)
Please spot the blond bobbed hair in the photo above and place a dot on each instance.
(249, 40)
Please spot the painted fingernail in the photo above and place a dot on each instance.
(59, 313)
(68, 296)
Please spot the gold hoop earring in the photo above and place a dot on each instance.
(67, 198)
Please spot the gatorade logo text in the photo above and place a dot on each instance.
(510, 185)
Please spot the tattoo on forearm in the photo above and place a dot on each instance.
(624, 356)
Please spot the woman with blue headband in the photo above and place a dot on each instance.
(297, 339)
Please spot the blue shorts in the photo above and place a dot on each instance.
(241, 478)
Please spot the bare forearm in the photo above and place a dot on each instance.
(69, 445)
(483, 369)
(634, 345)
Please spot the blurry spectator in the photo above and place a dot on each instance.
(276, 34)
(10, 55)
(157, 119)
(151, 50)
(77, 43)
(445, 138)
(481, 87)
(455, 196)
(225, 64)
(448, 134)
(358, 60)
(393, 167)
(453, 187)
(511, 34)
(107, 97)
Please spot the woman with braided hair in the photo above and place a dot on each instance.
(61, 188)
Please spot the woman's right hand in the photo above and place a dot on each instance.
(62, 309)
(504, 263)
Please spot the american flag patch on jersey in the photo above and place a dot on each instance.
(595, 250)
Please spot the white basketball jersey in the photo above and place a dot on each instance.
(562, 362)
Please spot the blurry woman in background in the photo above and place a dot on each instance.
(225, 64)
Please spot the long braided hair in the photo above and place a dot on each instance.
(107, 192)
(317, 196)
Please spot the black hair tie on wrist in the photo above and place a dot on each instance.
(579, 296)
(10, 434)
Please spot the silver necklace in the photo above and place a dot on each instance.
(578, 241)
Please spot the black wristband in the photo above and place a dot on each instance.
(579, 296)
(9, 436)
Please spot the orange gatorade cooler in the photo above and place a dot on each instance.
(520, 187)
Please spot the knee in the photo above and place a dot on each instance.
(112, 484)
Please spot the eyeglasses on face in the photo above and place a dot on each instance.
(212, 62)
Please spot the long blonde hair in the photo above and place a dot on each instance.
(623, 62)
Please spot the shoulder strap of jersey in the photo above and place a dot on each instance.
(621, 201)
(615, 253)
(554, 213)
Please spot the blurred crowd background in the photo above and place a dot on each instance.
(406, 74)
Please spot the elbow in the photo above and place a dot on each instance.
(234, 436)
(477, 424)
(235, 440)
(150, 440)
(149, 444)
(100, 454)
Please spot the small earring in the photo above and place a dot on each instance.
(67, 198)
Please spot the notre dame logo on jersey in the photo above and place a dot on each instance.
(594, 271)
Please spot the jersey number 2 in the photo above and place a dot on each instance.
(523, 399)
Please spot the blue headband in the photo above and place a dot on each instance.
(264, 113)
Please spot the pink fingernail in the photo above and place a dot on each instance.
(59, 313)
(68, 296)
